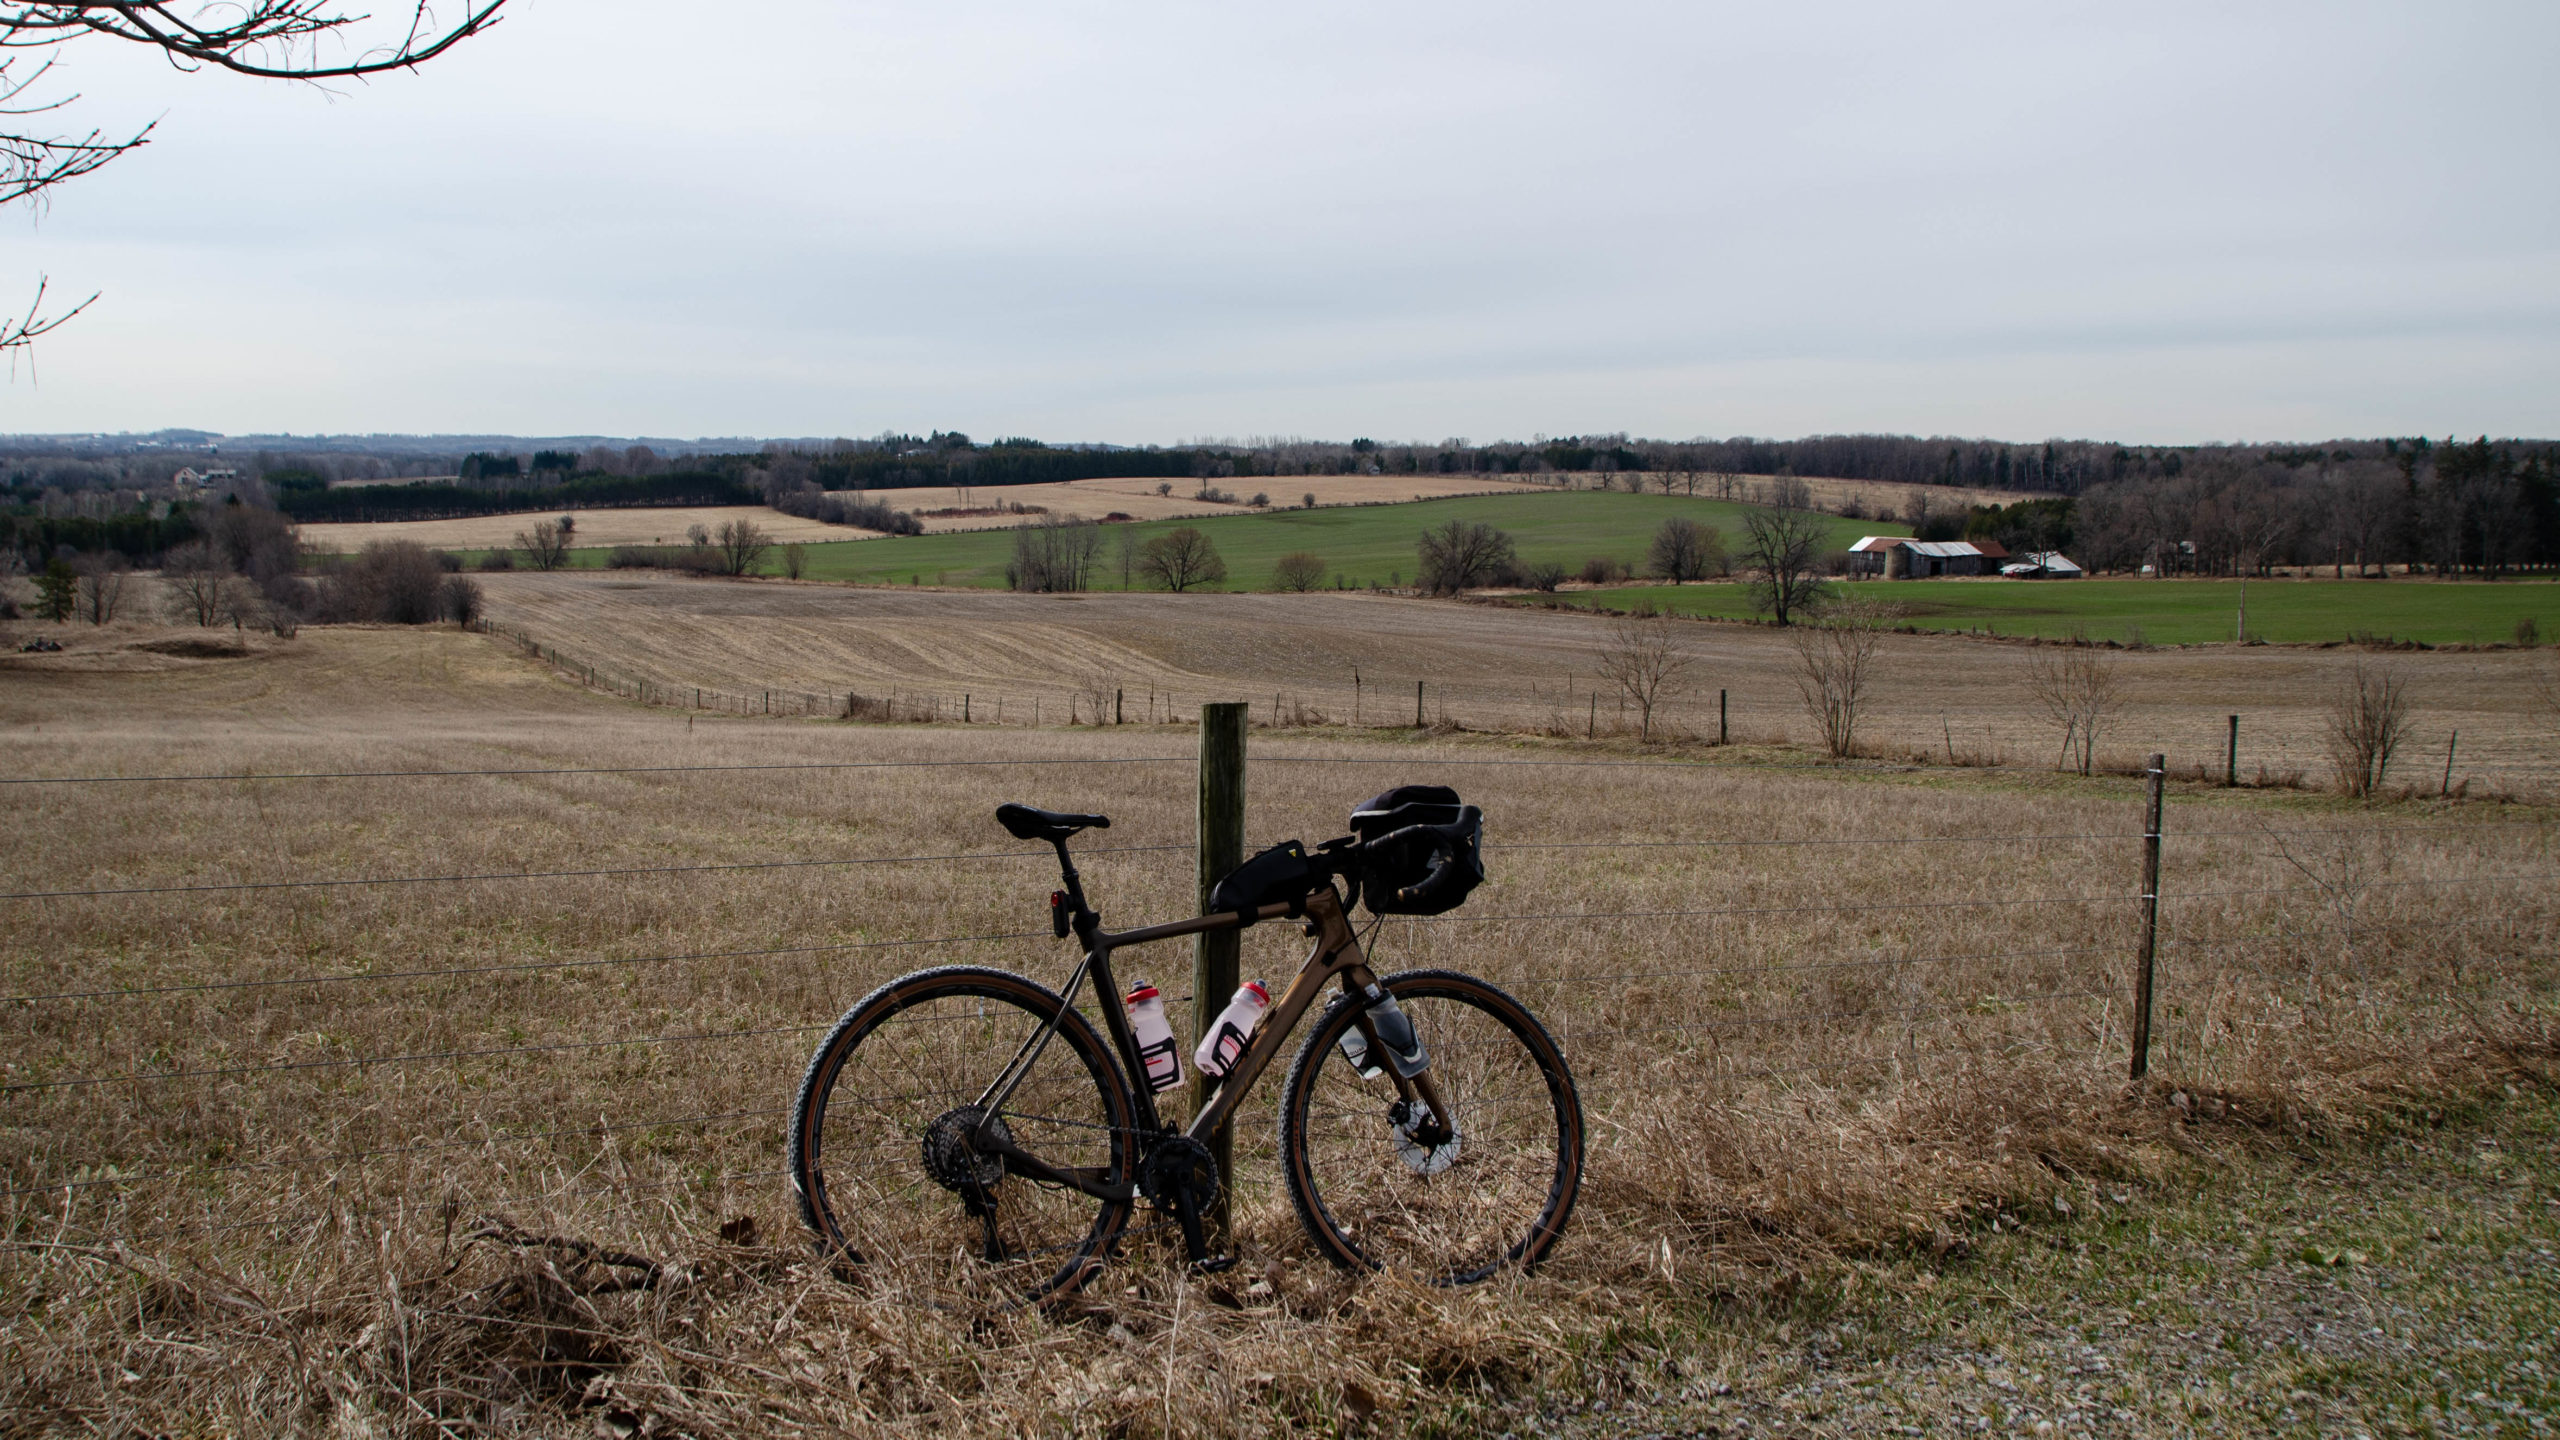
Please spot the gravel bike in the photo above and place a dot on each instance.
(965, 1136)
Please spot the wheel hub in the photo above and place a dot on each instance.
(1425, 1144)
(951, 1157)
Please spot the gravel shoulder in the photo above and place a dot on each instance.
(2403, 1285)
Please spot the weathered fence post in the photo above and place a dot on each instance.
(2449, 742)
(1119, 707)
(2231, 761)
(2150, 920)
(1591, 722)
(1417, 704)
(1724, 731)
(1214, 954)
(964, 707)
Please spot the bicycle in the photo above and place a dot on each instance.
(964, 1137)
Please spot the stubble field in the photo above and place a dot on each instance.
(1489, 668)
(316, 1086)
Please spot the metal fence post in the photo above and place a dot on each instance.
(2150, 920)
(1214, 955)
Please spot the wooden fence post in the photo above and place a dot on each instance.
(1215, 954)
(2150, 920)
(1417, 704)
(2231, 761)
(1724, 732)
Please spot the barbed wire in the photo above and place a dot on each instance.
(523, 967)
(594, 770)
(136, 1077)
(724, 866)
(357, 1156)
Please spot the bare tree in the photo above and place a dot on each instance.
(265, 39)
(198, 581)
(2368, 722)
(739, 546)
(1180, 560)
(1835, 665)
(1461, 555)
(1644, 662)
(795, 560)
(2077, 690)
(1054, 553)
(545, 546)
(1299, 570)
(1781, 549)
(1684, 550)
(101, 586)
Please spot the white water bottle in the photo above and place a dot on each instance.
(1157, 1049)
(1226, 1039)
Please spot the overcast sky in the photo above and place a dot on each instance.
(1154, 222)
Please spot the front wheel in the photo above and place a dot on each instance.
(882, 1150)
(1379, 1185)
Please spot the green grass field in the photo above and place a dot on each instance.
(2168, 612)
(1364, 545)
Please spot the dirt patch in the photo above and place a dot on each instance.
(665, 526)
(193, 648)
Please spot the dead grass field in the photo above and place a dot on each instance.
(1491, 668)
(666, 526)
(255, 1138)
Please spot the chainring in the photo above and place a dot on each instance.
(1175, 1166)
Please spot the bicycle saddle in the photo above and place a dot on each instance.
(1031, 823)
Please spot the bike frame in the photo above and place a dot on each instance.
(1336, 955)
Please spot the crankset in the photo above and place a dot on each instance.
(1180, 1175)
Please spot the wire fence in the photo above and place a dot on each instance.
(1567, 704)
(1861, 1001)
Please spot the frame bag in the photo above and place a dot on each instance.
(1279, 875)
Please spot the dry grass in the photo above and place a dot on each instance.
(314, 1253)
(662, 526)
(1499, 669)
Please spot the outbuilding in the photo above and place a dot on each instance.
(2042, 565)
(1899, 557)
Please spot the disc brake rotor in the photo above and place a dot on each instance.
(1425, 1148)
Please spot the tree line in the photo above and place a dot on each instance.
(2481, 508)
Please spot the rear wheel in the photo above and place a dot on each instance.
(881, 1154)
(1379, 1186)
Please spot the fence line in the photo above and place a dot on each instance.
(573, 874)
(518, 968)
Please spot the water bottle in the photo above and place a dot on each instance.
(1226, 1039)
(1355, 1048)
(1157, 1050)
(1395, 1035)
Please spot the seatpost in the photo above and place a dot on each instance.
(1073, 883)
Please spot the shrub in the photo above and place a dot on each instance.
(1299, 570)
(461, 600)
(501, 558)
(2368, 722)
(1545, 575)
(1601, 570)
(397, 582)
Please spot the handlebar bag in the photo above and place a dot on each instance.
(1400, 855)
(1279, 875)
